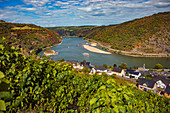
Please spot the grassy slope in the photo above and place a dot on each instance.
(30, 37)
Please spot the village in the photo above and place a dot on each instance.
(155, 80)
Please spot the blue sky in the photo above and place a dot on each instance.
(78, 12)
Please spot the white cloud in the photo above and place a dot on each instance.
(59, 3)
(91, 12)
(85, 8)
(36, 2)
(28, 9)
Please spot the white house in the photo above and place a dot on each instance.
(161, 81)
(160, 84)
(109, 73)
(135, 75)
(101, 69)
(119, 71)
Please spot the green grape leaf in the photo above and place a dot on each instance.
(93, 100)
(2, 105)
(4, 94)
(48, 75)
(126, 97)
(2, 47)
(2, 75)
(102, 87)
(12, 47)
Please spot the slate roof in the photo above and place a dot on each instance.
(130, 70)
(134, 73)
(144, 72)
(162, 78)
(100, 68)
(87, 64)
(167, 90)
(119, 70)
(90, 67)
(84, 63)
(149, 83)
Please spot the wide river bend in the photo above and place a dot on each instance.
(72, 49)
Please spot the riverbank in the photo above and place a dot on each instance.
(96, 50)
(128, 53)
(52, 52)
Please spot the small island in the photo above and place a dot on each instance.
(50, 52)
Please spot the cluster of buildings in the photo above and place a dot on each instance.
(160, 82)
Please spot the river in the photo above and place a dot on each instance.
(71, 49)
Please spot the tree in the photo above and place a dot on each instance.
(114, 65)
(134, 67)
(110, 66)
(84, 60)
(158, 66)
(105, 65)
(123, 66)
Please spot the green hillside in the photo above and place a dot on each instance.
(30, 37)
(28, 84)
(79, 31)
(149, 34)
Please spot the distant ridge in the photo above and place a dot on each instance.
(30, 37)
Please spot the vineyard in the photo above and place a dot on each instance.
(42, 85)
(31, 38)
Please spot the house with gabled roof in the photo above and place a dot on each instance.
(118, 71)
(82, 64)
(135, 75)
(132, 73)
(146, 85)
(100, 70)
(88, 65)
(161, 81)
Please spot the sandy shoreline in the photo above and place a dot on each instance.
(93, 44)
(96, 50)
(53, 53)
(128, 53)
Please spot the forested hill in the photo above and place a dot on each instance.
(30, 37)
(150, 34)
(79, 31)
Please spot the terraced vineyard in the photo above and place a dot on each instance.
(30, 37)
